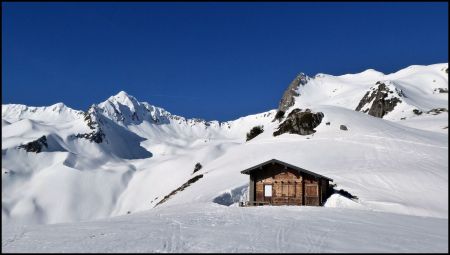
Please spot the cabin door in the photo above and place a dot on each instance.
(311, 194)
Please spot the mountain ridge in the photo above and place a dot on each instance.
(123, 156)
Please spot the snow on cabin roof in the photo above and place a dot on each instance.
(257, 167)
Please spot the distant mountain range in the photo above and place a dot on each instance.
(383, 137)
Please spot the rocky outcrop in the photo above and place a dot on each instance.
(380, 100)
(35, 146)
(437, 111)
(181, 188)
(300, 122)
(91, 119)
(197, 167)
(291, 92)
(417, 112)
(94, 136)
(254, 132)
(279, 115)
(343, 127)
(440, 90)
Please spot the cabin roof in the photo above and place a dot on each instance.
(301, 170)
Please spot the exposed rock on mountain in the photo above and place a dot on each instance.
(298, 122)
(197, 167)
(440, 90)
(291, 92)
(254, 132)
(436, 111)
(181, 188)
(91, 119)
(417, 111)
(129, 152)
(35, 146)
(380, 99)
(94, 136)
(279, 116)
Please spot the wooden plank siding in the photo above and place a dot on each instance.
(289, 187)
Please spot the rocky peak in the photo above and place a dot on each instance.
(124, 108)
(125, 99)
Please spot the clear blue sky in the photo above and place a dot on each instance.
(207, 60)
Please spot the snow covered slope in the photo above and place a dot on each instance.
(213, 228)
(123, 156)
(417, 87)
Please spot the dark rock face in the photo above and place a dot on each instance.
(279, 116)
(90, 117)
(343, 127)
(35, 146)
(94, 136)
(417, 112)
(255, 131)
(381, 104)
(288, 97)
(181, 188)
(197, 167)
(298, 122)
(437, 111)
(440, 90)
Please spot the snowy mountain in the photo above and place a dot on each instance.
(381, 137)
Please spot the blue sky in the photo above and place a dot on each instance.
(207, 60)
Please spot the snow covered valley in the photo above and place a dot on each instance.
(75, 181)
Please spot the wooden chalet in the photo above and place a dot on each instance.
(278, 183)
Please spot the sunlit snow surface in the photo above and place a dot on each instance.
(214, 228)
(398, 169)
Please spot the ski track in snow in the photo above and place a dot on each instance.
(273, 229)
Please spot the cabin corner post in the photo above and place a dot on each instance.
(320, 192)
(251, 193)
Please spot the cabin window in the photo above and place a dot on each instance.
(267, 190)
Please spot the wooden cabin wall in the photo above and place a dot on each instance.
(289, 186)
(324, 190)
(312, 190)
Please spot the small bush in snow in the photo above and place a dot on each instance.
(254, 132)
